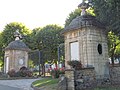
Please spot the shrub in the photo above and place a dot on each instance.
(56, 73)
(25, 72)
(75, 64)
(11, 73)
(23, 68)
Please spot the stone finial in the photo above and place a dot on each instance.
(83, 6)
(17, 35)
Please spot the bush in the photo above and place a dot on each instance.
(75, 64)
(56, 73)
(11, 73)
(23, 72)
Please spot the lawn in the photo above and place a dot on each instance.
(51, 84)
(47, 83)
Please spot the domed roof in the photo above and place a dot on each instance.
(17, 45)
(83, 21)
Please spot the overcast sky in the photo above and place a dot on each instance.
(36, 13)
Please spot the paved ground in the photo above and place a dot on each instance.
(21, 84)
(3, 87)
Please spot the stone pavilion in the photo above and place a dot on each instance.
(16, 54)
(86, 41)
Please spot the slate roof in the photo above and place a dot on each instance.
(83, 21)
(17, 45)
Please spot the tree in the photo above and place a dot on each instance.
(1, 52)
(8, 32)
(108, 12)
(7, 35)
(76, 13)
(71, 16)
(48, 39)
(114, 46)
(31, 39)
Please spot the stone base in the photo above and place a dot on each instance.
(70, 79)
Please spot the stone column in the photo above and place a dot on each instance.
(69, 73)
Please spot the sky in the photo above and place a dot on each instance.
(36, 13)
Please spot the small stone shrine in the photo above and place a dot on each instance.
(16, 54)
(86, 41)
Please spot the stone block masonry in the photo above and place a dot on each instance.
(69, 74)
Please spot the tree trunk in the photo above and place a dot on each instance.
(43, 70)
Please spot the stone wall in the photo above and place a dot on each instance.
(69, 74)
(62, 85)
(115, 74)
(84, 78)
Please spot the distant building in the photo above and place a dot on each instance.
(16, 54)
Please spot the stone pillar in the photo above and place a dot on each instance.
(69, 73)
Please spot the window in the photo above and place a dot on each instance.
(74, 50)
(99, 48)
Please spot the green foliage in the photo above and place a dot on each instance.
(113, 46)
(90, 11)
(1, 63)
(1, 51)
(48, 39)
(108, 12)
(7, 35)
(8, 32)
(31, 39)
(72, 15)
(55, 73)
(77, 12)
(34, 58)
(31, 64)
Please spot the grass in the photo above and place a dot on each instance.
(51, 84)
(45, 82)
